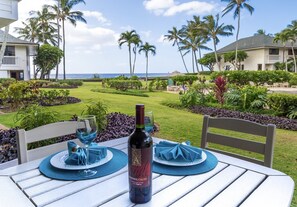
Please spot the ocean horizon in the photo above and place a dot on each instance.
(106, 75)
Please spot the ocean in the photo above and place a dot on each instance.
(107, 75)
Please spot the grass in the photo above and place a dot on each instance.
(177, 125)
(127, 92)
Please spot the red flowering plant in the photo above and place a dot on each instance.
(220, 89)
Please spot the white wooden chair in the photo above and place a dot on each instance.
(42, 133)
(243, 126)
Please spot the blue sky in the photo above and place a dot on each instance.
(93, 48)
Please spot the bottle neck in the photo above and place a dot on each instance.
(139, 120)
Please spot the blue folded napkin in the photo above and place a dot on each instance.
(177, 152)
(77, 155)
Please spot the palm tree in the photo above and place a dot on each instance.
(128, 37)
(282, 38)
(43, 20)
(291, 35)
(64, 13)
(214, 29)
(30, 30)
(237, 5)
(175, 36)
(147, 48)
(136, 41)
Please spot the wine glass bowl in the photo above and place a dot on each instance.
(149, 122)
(86, 132)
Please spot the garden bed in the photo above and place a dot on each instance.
(118, 125)
(280, 122)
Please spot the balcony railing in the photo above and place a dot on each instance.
(273, 58)
(10, 60)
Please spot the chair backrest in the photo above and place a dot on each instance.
(243, 126)
(42, 133)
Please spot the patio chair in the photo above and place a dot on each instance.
(243, 126)
(43, 133)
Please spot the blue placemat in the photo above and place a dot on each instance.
(118, 161)
(209, 164)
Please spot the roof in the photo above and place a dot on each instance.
(13, 40)
(254, 42)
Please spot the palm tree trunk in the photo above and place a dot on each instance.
(182, 57)
(57, 67)
(216, 55)
(130, 63)
(193, 65)
(294, 58)
(196, 62)
(200, 56)
(146, 72)
(135, 53)
(64, 63)
(237, 34)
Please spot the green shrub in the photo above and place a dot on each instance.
(184, 79)
(5, 82)
(123, 85)
(258, 77)
(172, 104)
(99, 109)
(191, 98)
(74, 83)
(34, 116)
(128, 92)
(293, 80)
(282, 104)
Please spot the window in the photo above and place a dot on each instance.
(227, 67)
(242, 67)
(9, 51)
(290, 52)
(273, 51)
(259, 66)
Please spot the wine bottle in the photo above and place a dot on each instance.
(140, 151)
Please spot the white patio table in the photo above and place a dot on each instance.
(232, 182)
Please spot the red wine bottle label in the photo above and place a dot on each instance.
(140, 168)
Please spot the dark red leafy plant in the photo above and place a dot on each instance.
(220, 89)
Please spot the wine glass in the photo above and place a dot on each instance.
(86, 132)
(149, 122)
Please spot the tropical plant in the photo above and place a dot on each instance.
(30, 30)
(262, 32)
(45, 25)
(291, 33)
(47, 58)
(237, 5)
(147, 48)
(209, 60)
(220, 89)
(214, 29)
(128, 38)
(34, 116)
(281, 37)
(99, 109)
(65, 12)
(136, 41)
(231, 58)
(175, 36)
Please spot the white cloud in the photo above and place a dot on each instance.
(127, 28)
(146, 34)
(84, 38)
(170, 7)
(97, 15)
(158, 6)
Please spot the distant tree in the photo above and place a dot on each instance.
(175, 36)
(128, 38)
(231, 58)
(136, 41)
(262, 32)
(281, 37)
(209, 60)
(46, 59)
(147, 48)
(214, 29)
(237, 5)
(30, 31)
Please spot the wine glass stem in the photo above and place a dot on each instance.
(88, 154)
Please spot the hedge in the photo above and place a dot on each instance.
(243, 77)
(123, 85)
(184, 79)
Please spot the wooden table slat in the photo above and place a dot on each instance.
(33, 182)
(238, 190)
(181, 188)
(210, 188)
(26, 175)
(158, 184)
(275, 191)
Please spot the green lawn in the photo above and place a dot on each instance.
(177, 125)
